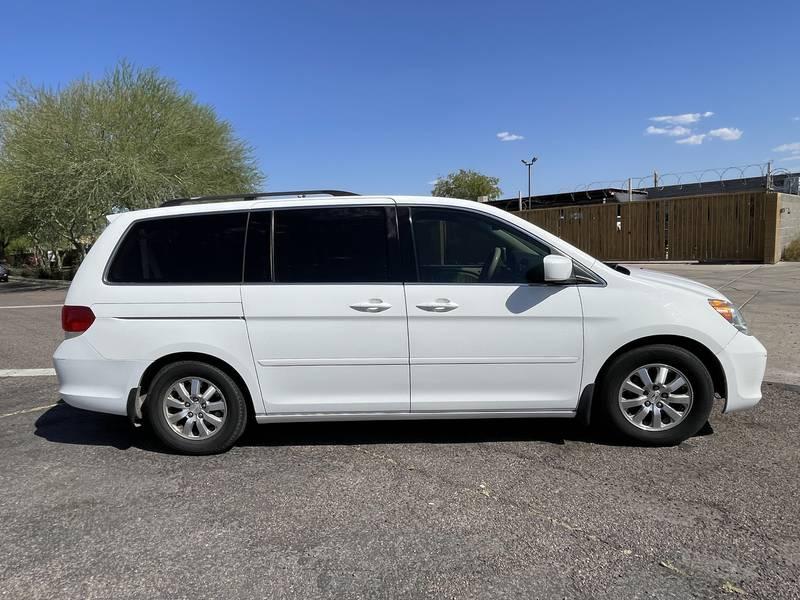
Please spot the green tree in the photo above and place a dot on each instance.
(128, 140)
(466, 184)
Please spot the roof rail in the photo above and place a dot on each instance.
(253, 196)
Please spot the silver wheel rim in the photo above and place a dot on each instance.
(195, 408)
(656, 397)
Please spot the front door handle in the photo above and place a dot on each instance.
(373, 305)
(439, 305)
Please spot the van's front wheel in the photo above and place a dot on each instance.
(657, 395)
(196, 408)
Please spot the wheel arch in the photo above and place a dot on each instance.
(151, 371)
(702, 352)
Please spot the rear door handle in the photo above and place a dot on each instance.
(438, 305)
(373, 305)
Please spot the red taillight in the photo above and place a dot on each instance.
(76, 319)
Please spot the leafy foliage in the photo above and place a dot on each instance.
(466, 184)
(792, 251)
(126, 141)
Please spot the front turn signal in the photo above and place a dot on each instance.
(730, 313)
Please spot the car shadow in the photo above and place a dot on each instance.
(439, 431)
(64, 424)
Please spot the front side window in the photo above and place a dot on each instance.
(332, 245)
(456, 246)
(199, 249)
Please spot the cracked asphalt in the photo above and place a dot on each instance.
(92, 508)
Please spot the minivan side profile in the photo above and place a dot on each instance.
(199, 316)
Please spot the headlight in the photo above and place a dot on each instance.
(730, 313)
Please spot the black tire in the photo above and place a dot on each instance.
(687, 364)
(235, 416)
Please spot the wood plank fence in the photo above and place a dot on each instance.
(722, 227)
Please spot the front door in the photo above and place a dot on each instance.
(326, 315)
(486, 332)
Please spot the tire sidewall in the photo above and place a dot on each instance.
(236, 409)
(683, 360)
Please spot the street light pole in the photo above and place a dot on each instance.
(529, 164)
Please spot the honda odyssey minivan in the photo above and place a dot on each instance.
(206, 313)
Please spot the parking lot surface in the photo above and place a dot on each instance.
(90, 507)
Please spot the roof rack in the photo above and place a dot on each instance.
(232, 197)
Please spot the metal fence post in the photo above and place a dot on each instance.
(769, 176)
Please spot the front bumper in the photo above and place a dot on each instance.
(744, 361)
(89, 381)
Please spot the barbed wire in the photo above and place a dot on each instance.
(682, 179)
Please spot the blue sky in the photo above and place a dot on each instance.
(383, 97)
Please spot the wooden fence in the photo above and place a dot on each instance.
(722, 227)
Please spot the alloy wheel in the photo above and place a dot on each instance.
(195, 408)
(656, 397)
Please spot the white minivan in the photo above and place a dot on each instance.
(206, 313)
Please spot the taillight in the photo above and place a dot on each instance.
(76, 319)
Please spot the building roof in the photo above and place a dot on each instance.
(597, 196)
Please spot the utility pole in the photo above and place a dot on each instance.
(769, 176)
(529, 164)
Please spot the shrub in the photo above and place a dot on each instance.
(792, 251)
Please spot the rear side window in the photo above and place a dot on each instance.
(333, 245)
(193, 249)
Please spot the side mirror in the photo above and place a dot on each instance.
(557, 268)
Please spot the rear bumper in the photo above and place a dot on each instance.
(744, 361)
(89, 381)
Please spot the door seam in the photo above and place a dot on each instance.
(408, 344)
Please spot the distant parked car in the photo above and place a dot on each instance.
(200, 315)
(3, 273)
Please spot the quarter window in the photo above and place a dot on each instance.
(193, 249)
(332, 245)
(456, 246)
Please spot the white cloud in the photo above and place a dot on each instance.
(692, 140)
(792, 157)
(793, 147)
(684, 119)
(507, 136)
(434, 182)
(795, 118)
(729, 134)
(670, 131)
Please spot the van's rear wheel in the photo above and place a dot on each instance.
(658, 395)
(196, 408)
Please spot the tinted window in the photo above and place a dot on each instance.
(256, 264)
(332, 245)
(194, 249)
(454, 246)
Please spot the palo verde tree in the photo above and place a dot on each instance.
(128, 140)
(469, 185)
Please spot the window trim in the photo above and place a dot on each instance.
(135, 222)
(599, 281)
(405, 272)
